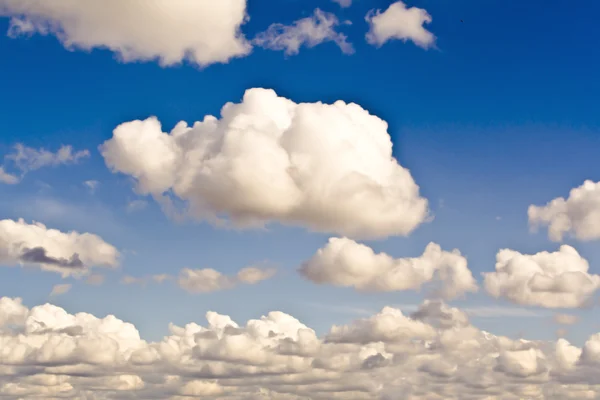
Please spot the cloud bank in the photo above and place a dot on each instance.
(436, 353)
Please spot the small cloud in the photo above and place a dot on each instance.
(343, 3)
(565, 319)
(498, 218)
(95, 280)
(310, 32)
(58, 290)
(7, 178)
(91, 185)
(136, 205)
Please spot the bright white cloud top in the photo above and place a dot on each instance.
(310, 32)
(46, 352)
(343, 262)
(553, 280)
(327, 167)
(69, 254)
(399, 23)
(201, 31)
(578, 215)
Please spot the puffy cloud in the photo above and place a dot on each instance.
(578, 215)
(343, 262)
(69, 253)
(201, 31)
(310, 32)
(552, 280)
(400, 23)
(327, 167)
(46, 352)
(57, 290)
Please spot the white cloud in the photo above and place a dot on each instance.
(7, 178)
(46, 352)
(565, 319)
(344, 3)
(343, 262)
(91, 185)
(95, 280)
(57, 290)
(399, 23)
(136, 205)
(310, 32)
(28, 159)
(209, 280)
(69, 253)
(201, 31)
(552, 280)
(579, 214)
(327, 167)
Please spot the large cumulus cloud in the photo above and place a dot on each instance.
(553, 280)
(201, 31)
(343, 262)
(328, 167)
(46, 352)
(67, 253)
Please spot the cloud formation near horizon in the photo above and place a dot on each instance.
(434, 353)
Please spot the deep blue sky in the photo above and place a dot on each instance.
(502, 115)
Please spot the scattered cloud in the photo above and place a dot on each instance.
(565, 319)
(399, 23)
(27, 159)
(203, 32)
(91, 185)
(69, 253)
(578, 215)
(310, 32)
(209, 280)
(327, 167)
(343, 262)
(136, 205)
(8, 179)
(57, 290)
(552, 280)
(344, 3)
(95, 280)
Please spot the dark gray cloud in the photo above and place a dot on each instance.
(39, 255)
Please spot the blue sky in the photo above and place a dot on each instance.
(502, 114)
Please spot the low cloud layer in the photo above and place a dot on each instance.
(70, 254)
(343, 262)
(326, 167)
(578, 214)
(436, 353)
(553, 280)
(310, 32)
(398, 22)
(202, 31)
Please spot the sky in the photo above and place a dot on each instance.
(369, 189)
